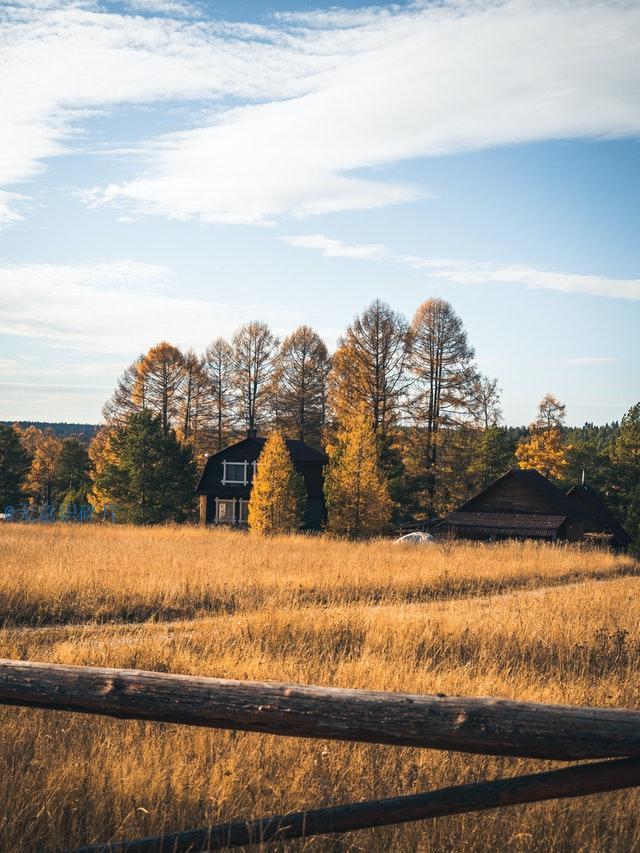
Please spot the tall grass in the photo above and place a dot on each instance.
(522, 621)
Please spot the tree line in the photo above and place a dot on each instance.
(406, 394)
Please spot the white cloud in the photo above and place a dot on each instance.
(448, 271)
(319, 99)
(591, 361)
(164, 7)
(120, 307)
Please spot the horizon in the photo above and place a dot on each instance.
(189, 166)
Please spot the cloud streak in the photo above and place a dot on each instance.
(120, 307)
(302, 113)
(448, 271)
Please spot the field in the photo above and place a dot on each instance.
(519, 621)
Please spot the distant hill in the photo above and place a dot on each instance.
(62, 430)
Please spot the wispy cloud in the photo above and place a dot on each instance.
(449, 271)
(304, 111)
(120, 307)
(591, 361)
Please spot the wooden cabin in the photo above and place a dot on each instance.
(521, 504)
(225, 484)
(601, 527)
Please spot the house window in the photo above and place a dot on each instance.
(225, 511)
(234, 473)
(243, 513)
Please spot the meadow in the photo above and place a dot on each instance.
(525, 621)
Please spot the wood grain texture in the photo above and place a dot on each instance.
(575, 781)
(479, 725)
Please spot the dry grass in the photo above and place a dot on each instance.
(523, 621)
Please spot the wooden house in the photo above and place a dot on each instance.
(521, 504)
(225, 484)
(601, 527)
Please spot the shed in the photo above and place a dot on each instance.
(601, 525)
(521, 504)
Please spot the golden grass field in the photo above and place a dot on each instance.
(522, 621)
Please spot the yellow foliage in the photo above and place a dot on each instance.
(100, 454)
(543, 451)
(277, 495)
(358, 501)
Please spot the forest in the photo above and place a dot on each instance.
(400, 407)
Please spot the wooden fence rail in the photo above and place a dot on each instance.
(485, 726)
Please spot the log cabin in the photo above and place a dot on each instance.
(225, 483)
(521, 504)
(601, 527)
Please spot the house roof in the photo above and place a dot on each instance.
(300, 453)
(591, 501)
(506, 523)
(556, 500)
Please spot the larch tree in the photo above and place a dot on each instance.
(254, 353)
(219, 366)
(276, 503)
(40, 482)
(543, 449)
(358, 502)
(129, 395)
(161, 375)
(370, 366)
(14, 465)
(551, 413)
(486, 401)
(441, 364)
(300, 385)
(194, 409)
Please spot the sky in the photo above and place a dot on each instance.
(172, 169)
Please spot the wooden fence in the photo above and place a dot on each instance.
(476, 725)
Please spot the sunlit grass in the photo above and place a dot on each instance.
(522, 621)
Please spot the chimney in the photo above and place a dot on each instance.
(252, 433)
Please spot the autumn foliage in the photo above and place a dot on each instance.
(277, 497)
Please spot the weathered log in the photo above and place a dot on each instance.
(488, 726)
(577, 781)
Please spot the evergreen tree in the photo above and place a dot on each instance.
(276, 504)
(14, 465)
(496, 454)
(358, 501)
(72, 473)
(149, 475)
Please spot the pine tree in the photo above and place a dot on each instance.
(276, 504)
(72, 473)
(496, 454)
(358, 501)
(14, 464)
(148, 475)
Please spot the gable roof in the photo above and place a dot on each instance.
(591, 501)
(556, 500)
(299, 451)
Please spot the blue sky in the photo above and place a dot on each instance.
(172, 169)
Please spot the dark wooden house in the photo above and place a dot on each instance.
(225, 484)
(521, 504)
(601, 527)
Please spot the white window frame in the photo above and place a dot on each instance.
(225, 520)
(226, 481)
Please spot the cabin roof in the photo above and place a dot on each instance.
(556, 500)
(506, 523)
(299, 451)
(591, 501)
